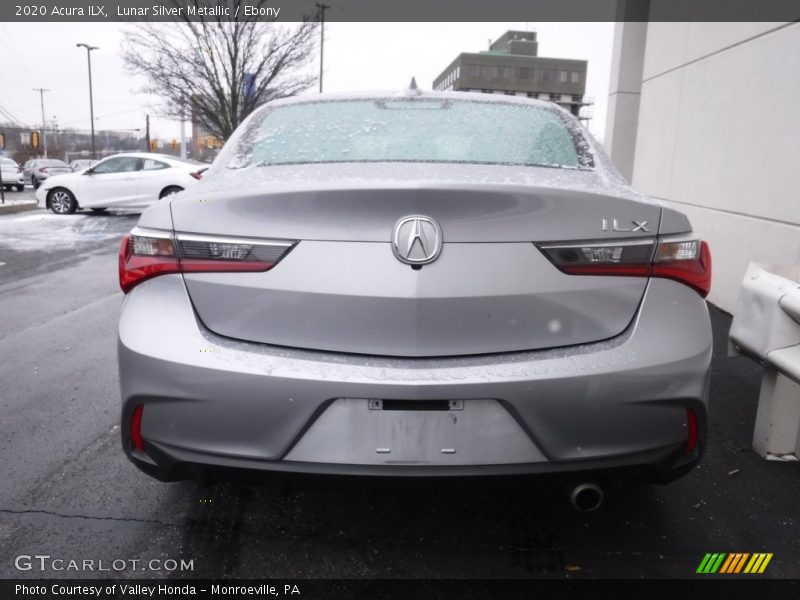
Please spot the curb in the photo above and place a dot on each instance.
(7, 209)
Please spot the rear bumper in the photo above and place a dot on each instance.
(12, 180)
(211, 402)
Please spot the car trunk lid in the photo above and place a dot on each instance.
(342, 288)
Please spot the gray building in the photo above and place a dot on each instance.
(511, 66)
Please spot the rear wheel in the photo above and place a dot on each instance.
(168, 191)
(61, 201)
(35, 183)
(20, 188)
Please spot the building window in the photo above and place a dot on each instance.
(562, 76)
(473, 71)
(508, 72)
(575, 77)
(523, 72)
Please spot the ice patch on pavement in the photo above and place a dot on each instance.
(50, 232)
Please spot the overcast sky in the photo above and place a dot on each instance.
(358, 56)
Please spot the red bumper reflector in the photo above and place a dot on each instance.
(692, 435)
(136, 428)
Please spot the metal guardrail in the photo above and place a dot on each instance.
(766, 327)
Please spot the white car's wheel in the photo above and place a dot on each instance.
(168, 191)
(61, 201)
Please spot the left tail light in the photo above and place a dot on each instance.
(692, 432)
(685, 260)
(147, 253)
(42, 169)
(136, 428)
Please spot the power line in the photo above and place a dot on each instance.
(8, 115)
(114, 114)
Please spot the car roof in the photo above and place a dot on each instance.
(154, 155)
(413, 94)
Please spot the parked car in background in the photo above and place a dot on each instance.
(132, 179)
(419, 284)
(12, 174)
(81, 164)
(39, 169)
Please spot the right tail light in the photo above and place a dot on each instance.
(684, 260)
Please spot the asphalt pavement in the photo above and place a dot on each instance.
(67, 491)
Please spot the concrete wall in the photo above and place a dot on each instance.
(718, 137)
(624, 91)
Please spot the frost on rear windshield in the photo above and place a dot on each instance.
(413, 130)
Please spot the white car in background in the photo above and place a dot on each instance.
(12, 174)
(81, 164)
(135, 179)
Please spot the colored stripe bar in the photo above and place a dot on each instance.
(765, 563)
(703, 563)
(753, 564)
(715, 567)
(741, 562)
(701, 568)
(732, 558)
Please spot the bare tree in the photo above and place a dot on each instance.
(223, 69)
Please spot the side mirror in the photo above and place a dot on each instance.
(89, 171)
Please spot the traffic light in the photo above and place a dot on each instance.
(153, 145)
(174, 144)
(35, 139)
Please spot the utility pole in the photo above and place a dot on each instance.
(147, 133)
(322, 8)
(91, 101)
(44, 122)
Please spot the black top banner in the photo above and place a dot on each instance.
(399, 10)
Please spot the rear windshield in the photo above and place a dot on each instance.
(413, 130)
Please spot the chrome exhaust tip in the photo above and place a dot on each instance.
(586, 497)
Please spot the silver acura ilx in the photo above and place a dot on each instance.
(423, 284)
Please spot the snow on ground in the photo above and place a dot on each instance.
(47, 231)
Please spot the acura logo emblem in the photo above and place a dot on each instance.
(417, 240)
